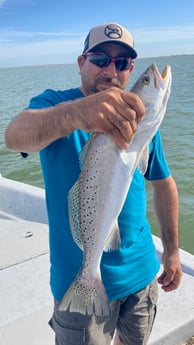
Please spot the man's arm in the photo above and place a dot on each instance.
(166, 205)
(114, 112)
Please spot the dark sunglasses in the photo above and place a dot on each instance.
(103, 60)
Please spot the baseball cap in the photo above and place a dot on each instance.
(110, 33)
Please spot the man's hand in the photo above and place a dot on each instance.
(113, 111)
(172, 273)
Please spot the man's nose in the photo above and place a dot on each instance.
(111, 70)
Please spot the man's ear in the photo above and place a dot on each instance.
(80, 60)
(131, 67)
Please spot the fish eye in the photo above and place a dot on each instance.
(146, 80)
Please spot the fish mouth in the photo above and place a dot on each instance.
(157, 76)
(165, 71)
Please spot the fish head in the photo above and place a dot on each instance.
(154, 90)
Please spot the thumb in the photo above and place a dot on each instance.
(164, 279)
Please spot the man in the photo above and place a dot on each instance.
(58, 123)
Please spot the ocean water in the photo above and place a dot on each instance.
(19, 84)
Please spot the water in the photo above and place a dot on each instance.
(18, 85)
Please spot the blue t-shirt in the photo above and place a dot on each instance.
(135, 264)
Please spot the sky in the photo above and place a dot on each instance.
(41, 32)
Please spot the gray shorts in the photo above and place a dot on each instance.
(132, 317)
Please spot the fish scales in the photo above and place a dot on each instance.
(97, 197)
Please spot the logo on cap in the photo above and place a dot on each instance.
(113, 31)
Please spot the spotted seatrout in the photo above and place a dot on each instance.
(97, 197)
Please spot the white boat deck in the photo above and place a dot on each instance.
(25, 298)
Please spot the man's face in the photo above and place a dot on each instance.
(95, 78)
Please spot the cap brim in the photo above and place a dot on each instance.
(132, 52)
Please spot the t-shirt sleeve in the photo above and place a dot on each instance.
(50, 98)
(158, 168)
(47, 99)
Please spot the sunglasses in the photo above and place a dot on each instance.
(103, 60)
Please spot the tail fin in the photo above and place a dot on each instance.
(86, 298)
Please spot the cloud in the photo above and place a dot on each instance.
(23, 47)
(142, 35)
(2, 2)
(19, 2)
(161, 34)
(11, 33)
(16, 41)
(26, 48)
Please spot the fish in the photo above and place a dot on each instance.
(97, 197)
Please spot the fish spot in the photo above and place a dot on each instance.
(85, 291)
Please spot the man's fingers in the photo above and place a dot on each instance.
(134, 102)
(169, 282)
(114, 112)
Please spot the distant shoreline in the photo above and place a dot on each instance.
(75, 63)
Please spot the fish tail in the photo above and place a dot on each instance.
(86, 299)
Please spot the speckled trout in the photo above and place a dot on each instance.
(96, 199)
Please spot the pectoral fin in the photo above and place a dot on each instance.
(113, 240)
(143, 163)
